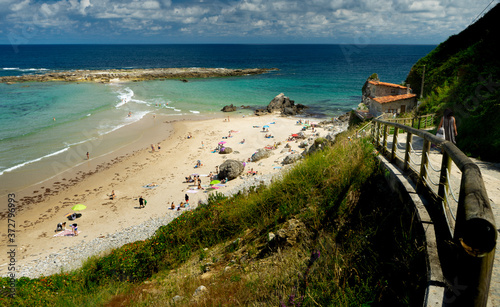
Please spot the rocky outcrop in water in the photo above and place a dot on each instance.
(229, 108)
(116, 75)
(283, 105)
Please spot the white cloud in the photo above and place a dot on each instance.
(332, 20)
(18, 6)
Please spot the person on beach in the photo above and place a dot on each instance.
(199, 186)
(216, 169)
(159, 147)
(186, 197)
(88, 155)
(141, 202)
(172, 206)
(113, 195)
(75, 229)
(152, 147)
(449, 124)
(61, 226)
(129, 114)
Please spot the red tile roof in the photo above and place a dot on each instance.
(386, 99)
(386, 84)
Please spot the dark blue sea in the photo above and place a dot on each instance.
(326, 78)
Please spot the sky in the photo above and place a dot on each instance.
(235, 21)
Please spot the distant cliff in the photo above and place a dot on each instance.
(463, 73)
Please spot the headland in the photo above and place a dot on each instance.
(134, 75)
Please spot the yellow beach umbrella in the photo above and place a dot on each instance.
(78, 207)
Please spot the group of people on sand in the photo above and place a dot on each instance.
(62, 227)
(158, 147)
(252, 172)
(183, 204)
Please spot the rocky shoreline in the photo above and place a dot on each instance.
(134, 75)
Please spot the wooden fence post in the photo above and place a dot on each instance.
(409, 139)
(423, 164)
(394, 144)
(384, 143)
(443, 182)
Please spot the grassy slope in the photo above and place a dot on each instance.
(369, 250)
(463, 73)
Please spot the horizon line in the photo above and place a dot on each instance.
(256, 44)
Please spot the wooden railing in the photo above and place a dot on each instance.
(419, 122)
(468, 216)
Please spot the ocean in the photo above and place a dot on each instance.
(40, 122)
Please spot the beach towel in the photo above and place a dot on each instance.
(65, 233)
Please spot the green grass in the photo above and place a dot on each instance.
(463, 74)
(337, 193)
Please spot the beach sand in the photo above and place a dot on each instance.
(128, 174)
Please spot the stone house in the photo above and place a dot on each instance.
(383, 97)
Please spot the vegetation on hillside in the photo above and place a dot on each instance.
(329, 233)
(463, 73)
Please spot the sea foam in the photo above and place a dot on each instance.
(32, 161)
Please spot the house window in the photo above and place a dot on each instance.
(393, 91)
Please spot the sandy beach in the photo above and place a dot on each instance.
(129, 174)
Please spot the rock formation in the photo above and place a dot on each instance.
(283, 105)
(225, 150)
(230, 169)
(261, 154)
(105, 76)
(291, 158)
(229, 108)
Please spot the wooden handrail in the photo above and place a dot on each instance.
(474, 232)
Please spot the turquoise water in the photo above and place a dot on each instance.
(323, 77)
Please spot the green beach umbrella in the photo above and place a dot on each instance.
(214, 182)
(78, 207)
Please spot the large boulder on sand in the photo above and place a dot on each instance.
(319, 144)
(230, 169)
(229, 108)
(225, 150)
(291, 158)
(261, 154)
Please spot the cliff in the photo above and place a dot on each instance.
(463, 73)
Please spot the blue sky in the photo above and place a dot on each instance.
(235, 21)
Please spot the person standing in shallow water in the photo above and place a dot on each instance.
(449, 124)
